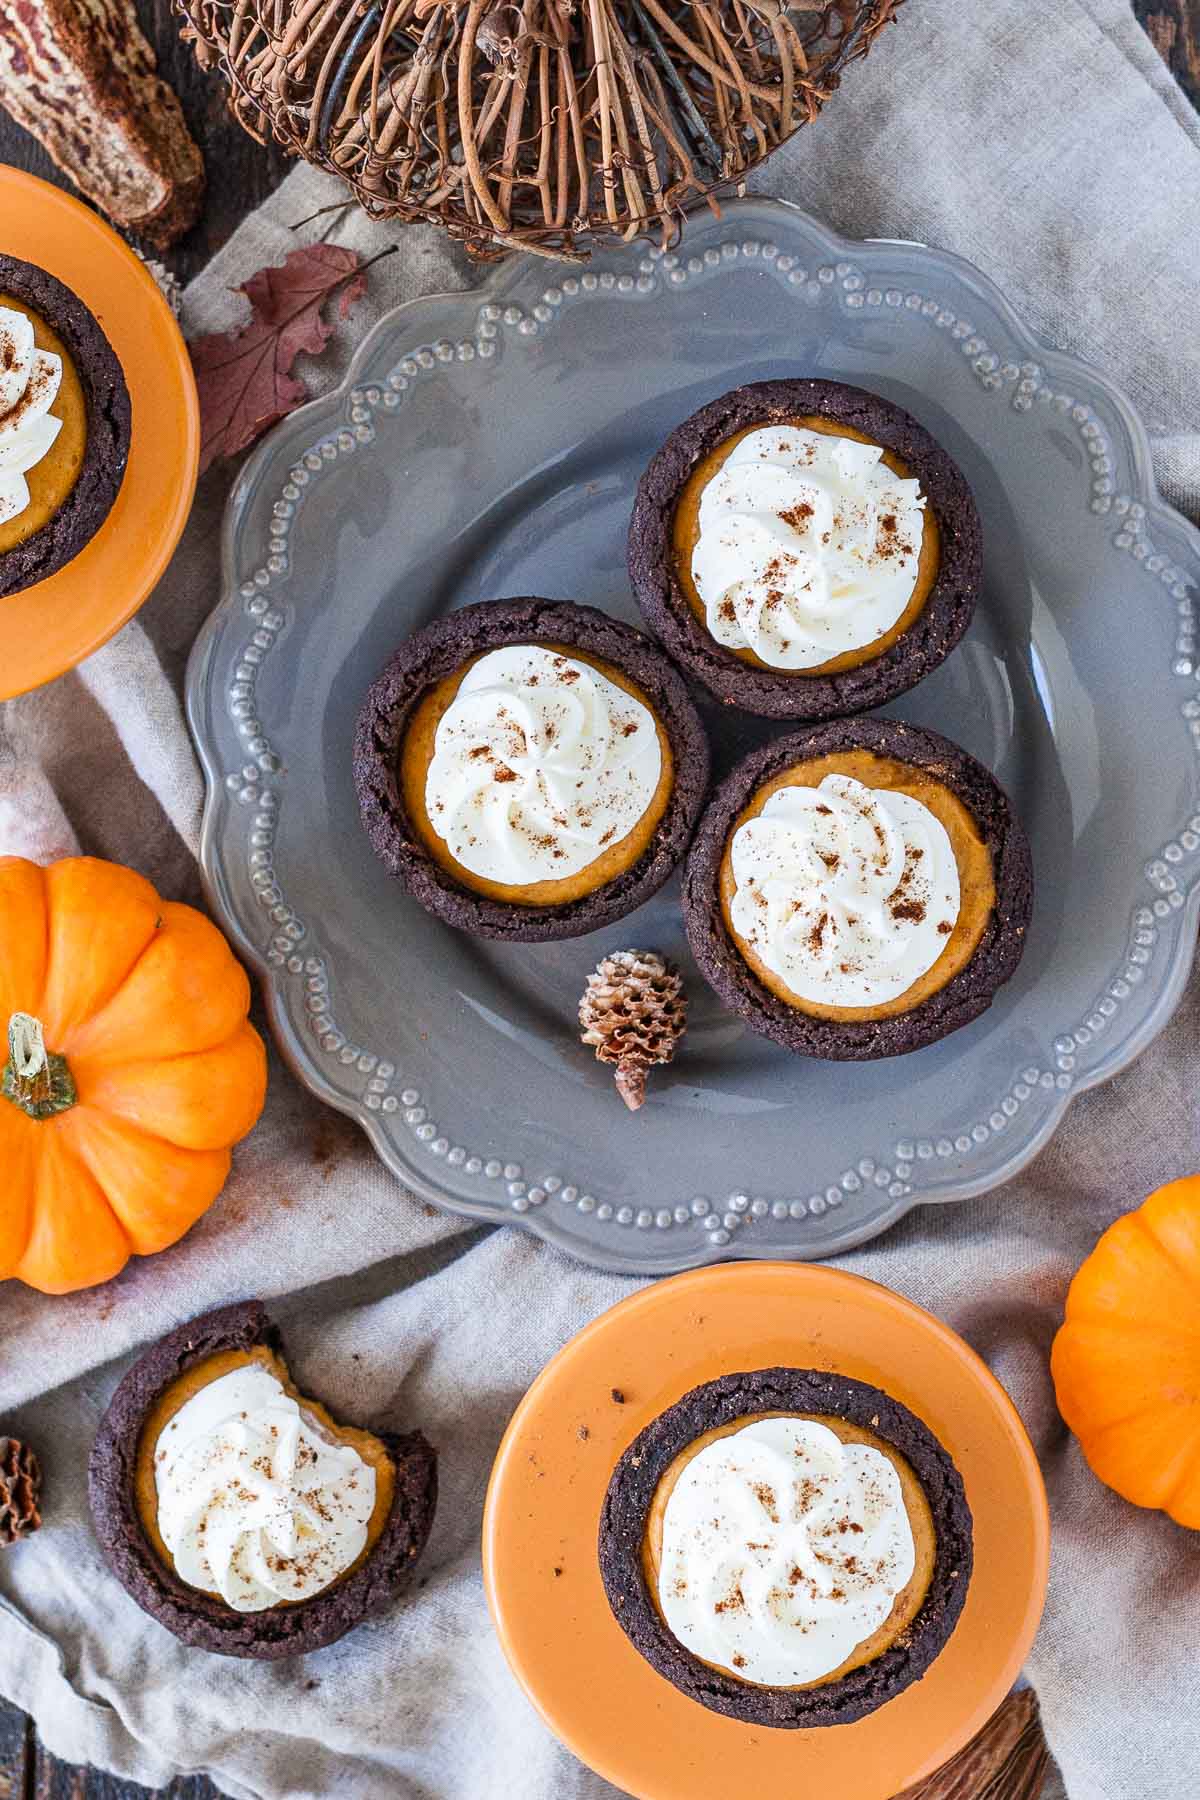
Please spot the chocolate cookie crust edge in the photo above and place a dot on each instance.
(200, 1619)
(963, 997)
(106, 451)
(772, 693)
(631, 1492)
(445, 646)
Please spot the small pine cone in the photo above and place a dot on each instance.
(20, 1490)
(634, 1012)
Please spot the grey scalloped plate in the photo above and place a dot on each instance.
(487, 444)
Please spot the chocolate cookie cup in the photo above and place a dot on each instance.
(409, 697)
(816, 1395)
(94, 386)
(974, 973)
(117, 1473)
(950, 572)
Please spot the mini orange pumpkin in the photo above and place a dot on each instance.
(1126, 1362)
(132, 1069)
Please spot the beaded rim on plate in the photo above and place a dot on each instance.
(538, 125)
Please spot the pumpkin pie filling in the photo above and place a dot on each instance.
(289, 1497)
(846, 886)
(51, 478)
(777, 1537)
(533, 759)
(890, 541)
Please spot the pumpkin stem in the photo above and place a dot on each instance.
(35, 1079)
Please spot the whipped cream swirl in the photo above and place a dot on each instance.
(783, 1550)
(808, 546)
(847, 893)
(29, 383)
(540, 765)
(256, 1500)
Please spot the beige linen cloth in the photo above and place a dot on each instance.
(1046, 143)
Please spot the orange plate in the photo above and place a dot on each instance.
(543, 1508)
(48, 628)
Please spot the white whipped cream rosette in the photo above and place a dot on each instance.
(848, 894)
(29, 384)
(808, 546)
(540, 765)
(257, 1501)
(783, 1549)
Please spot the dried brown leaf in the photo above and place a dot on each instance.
(244, 377)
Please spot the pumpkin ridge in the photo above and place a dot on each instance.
(17, 1158)
(1099, 1284)
(211, 1098)
(97, 1110)
(62, 1179)
(23, 989)
(67, 1049)
(156, 1190)
(1190, 1278)
(183, 932)
(1096, 1433)
(1082, 1351)
(1102, 1324)
(1162, 1480)
(71, 888)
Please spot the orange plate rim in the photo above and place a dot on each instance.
(48, 628)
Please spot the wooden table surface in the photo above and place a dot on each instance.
(248, 173)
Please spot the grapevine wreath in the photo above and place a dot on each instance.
(540, 125)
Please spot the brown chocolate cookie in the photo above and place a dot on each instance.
(776, 693)
(444, 647)
(963, 997)
(627, 1507)
(204, 1620)
(90, 501)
